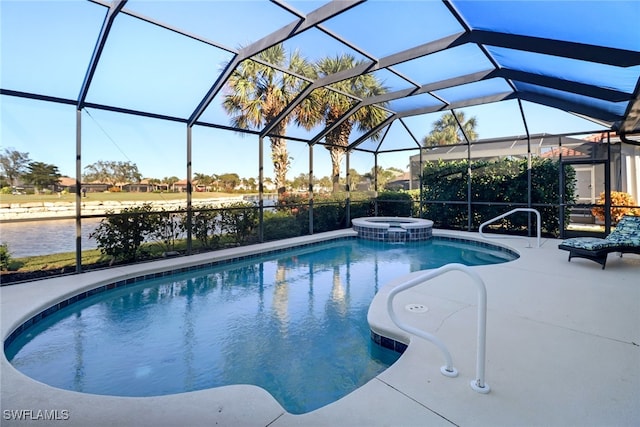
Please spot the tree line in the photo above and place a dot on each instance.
(17, 168)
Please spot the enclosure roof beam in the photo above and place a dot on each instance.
(316, 17)
(597, 114)
(371, 132)
(631, 123)
(410, 132)
(335, 124)
(366, 67)
(566, 49)
(114, 8)
(460, 104)
(427, 88)
(592, 91)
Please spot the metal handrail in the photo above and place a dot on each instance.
(478, 384)
(513, 237)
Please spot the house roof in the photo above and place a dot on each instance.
(451, 55)
(65, 181)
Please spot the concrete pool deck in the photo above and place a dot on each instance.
(563, 348)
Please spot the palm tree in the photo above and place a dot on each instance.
(257, 93)
(333, 105)
(446, 130)
(203, 180)
(383, 175)
(250, 183)
(169, 181)
(215, 182)
(153, 182)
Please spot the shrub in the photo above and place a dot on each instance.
(329, 215)
(205, 226)
(618, 202)
(166, 228)
(394, 203)
(120, 235)
(328, 210)
(280, 225)
(362, 208)
(239, 221)
(5, 256)
(292, 200)
(5, 190)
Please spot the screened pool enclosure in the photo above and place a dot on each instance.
(359, 85)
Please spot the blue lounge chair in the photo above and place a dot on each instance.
(624, 239)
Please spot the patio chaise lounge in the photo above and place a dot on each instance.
(624, 239)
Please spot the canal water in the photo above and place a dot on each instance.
(28, 238)
(45, 237)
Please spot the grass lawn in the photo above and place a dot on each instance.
(123, 196)
(41, 266)
(55, 261)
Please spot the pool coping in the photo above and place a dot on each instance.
(380, 229)
(392, 397)
(383, 222)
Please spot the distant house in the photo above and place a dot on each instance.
(364, 185)
(181, 186)
(143, 186)
(66, 183)
(400, 182)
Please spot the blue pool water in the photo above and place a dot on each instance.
(293, 323)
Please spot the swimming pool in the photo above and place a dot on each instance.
(293, 323)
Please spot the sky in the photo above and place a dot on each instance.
(46, 46)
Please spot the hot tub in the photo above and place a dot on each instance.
(393, 229)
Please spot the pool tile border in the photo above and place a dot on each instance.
(389, 343)
(394, 235)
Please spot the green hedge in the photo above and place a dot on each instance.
(395, 203)
(280, 225)
(329, 210)
(496, 187)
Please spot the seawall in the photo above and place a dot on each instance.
(26, 211)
